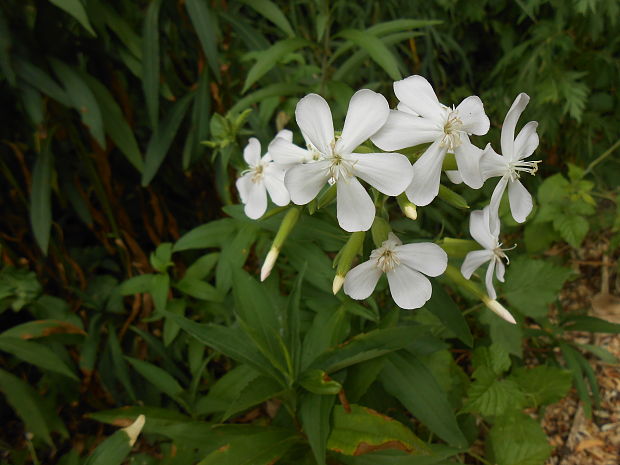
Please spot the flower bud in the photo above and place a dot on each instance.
(407, 207)
(134, 429)
(345, 258)
(287, 225)
(498, 309)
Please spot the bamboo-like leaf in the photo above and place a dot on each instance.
(315, 412)
(158, 377)
(40, 80)
(150, 61)
(82, 99)
(272, 12)
(442, 306)
(41, 200)
(376, 49)
(115, 123)
(204, 26)
(36, 354)
(162, 139)
(267, 59)
(75, 9)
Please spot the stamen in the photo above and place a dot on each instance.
(514, 167)
(387, 259)
(452, 127)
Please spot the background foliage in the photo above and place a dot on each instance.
(125, 282)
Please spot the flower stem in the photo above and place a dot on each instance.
(601, 157)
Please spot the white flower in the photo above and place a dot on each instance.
(485, 230)
(420, 119)
(263, 175)
(389, 173)
(511, 163)
(404, 265)
(286, 154)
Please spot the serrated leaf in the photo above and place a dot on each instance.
(572, 228)
(75, 9)
(267, 59)
(518, 440)
(533, 284)
(542, 384)
(363, 430)
(492, 397)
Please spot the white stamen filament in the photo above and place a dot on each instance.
(514, 167)
(499, 253)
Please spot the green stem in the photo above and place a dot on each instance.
(477, 457)
(602, 157)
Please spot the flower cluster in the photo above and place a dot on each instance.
(298, 174)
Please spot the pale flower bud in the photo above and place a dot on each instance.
(498, 309)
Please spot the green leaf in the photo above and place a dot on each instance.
(137, 284)
(212, 234)
(328, 329)
(150, 62)
(159, 378)
(366, 346)
(162, 138)
(315, 413)
(41, 200)
(263, 448)
(590, 323)
(376, 49)
(40, 80)
(115, 123)
(201, 268)
(282, 89)
(36, 354)
(533, 284)
(364, 430)
(572, 228)
(116, 448)
(273, 13)
(75, 9)
(256, 392)
(42, 328)
(6, 44)
(492, 397)
(121, 371)
(199, 290)
(502, 333)
(229, 341)
(400, 25)
(542, 384)
(267, 59)
(26, 403)
(452, 198)
(82, 99)
(226, 390)
(292, 323)
(160, 287)
(518, 440)
(442, 306)
(204, 26)
(407, 379)
(319, 382)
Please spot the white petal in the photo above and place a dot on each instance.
(500, 270)
(256, 202)
(467, 158)
(274, 182)
(496, 198)
(409, 288)
(492, 164)
(314, 118)
(285, 134)
(389, 173)
(287, 154)
(405, 109)
(473, 261)
(480, 229)
(367, 112)
(510, 123)
(304, 182)
(417, 93)
(244, 184)
(354, 207)
(527, 141)
(520, 201)
(251, 152)
(425, 257)
(426, 174)
(362, 280)
(405, 130)
(471, 113)
(454, 176)
(489, 280)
